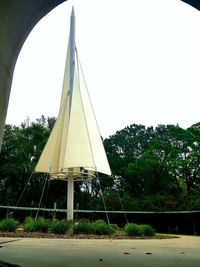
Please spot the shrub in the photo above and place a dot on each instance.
(98, 227)
(59, 227)
(8, 225)
(102, 228)
(29, 224)
(38, 225)
(147, 230)
(41, 225)
(133, 229)
(83, 228)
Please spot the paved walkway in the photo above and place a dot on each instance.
(183, 252)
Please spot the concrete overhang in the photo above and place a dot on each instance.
(194, 3)
(17, 19)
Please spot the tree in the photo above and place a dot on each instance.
(150, 166)
(21, 149)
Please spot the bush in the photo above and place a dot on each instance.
(59, 227)
(102, 228)
(132, 229)
(29, 224)
(147, 230)
(38, 225)
(8, 225)
(83, 228)
(41, 225)
(98, 227)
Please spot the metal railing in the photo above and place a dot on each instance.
(99, 211)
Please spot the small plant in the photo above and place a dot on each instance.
(98, 227)
(147, 230)
(83, 228)
(102, 228)
(8, 225)
(39, 225)
(132, 229)
(29, 224)
(59, 227)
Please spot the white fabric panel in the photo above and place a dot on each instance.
(78, 150)
(75, 141)
(97, 147)
(51, 159)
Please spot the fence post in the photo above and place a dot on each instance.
(54, 212)
(194, 224)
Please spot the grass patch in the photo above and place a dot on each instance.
(165, 236)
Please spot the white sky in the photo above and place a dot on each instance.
(141, 61)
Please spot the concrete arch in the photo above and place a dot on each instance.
(17, 19)
(194, 3)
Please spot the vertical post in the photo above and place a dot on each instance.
(54, 212)
(194, 224)
(70, 199)
(7, 213)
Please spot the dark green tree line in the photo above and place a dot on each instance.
(156, 162)
(153, 168)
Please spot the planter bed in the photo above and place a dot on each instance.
(21, 234)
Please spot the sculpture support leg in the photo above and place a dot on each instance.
(70, 199)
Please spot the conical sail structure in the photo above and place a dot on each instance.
(74, 150)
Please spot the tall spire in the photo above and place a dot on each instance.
(74, 150)
(72, 49)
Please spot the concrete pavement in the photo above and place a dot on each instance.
(183, 252)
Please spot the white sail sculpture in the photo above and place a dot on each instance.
(74, 150)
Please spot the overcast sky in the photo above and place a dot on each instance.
(141, 61)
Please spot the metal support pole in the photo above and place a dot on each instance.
(70, 199)
(54, 212)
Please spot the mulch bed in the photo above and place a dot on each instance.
(21, 234)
